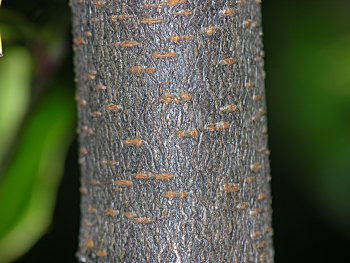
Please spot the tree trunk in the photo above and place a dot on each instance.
(172, 131)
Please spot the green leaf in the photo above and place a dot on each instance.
(15, 83)
(28, 186)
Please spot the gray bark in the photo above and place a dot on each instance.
(172, 131)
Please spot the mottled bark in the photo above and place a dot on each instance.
(172, 131)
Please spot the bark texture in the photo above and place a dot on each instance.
(172, 131)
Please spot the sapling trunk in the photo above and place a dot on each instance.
(172, 128)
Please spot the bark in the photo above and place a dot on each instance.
(172, 131)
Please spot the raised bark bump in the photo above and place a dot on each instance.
(243, 206)
(210, 30)
(94, 182)
(142, 220)
(176, 98)
(101, 253)
(99, 3)
(247, 23)
(129, 215)
(87, 33)
(89, 244)
(137, 69)
(256, 235)
(134, 142)
(152, 20)
(100, 87)
(268, 230)
(166, 55)
(231, 187)
(219, 126)
(185, 13)
(113, 107)
(185, 96)
(262, 196)
(260, 245)
(150, 70)
(180, 38)
(115, 18)
(228, 108)
(81, 102)
(111, 212)
(250, 179)
(83, 190)
(143, 176)
(249, 85)
(256, 167)
(187, 134)
(106, 162)
(163, 177)
(172, 3)
(227, 12)
(79, 41)
(86, 130)
(96, 114)
(261, 112)
(172, 195)
(91, 210)
(166, 3)
(123, 183)
(264, 151)
(264, 257)
(256, 98)
(255, 211)
(227, 61)
(126, 44)
(83, 151)
(91, 75)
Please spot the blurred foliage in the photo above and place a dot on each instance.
(309, 96)
(321, 121)
(29, 183)
(15, 81)
(37, 115)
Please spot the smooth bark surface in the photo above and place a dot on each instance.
(172, 131)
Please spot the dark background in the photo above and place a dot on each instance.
(308, 99)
